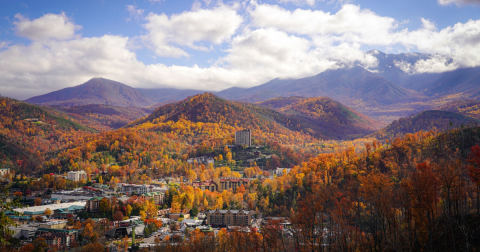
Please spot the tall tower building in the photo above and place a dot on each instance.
(243, 137)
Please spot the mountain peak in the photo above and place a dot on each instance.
(95, 91)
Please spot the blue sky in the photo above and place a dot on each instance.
(213, 45)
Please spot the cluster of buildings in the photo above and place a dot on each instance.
(221, 184)
(201, 160)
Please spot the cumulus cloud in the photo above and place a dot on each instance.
(459, 2)
(50, 26)
(350, 23)
(454, 46)
(265, 43)
(186, 29)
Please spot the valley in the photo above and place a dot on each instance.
(346, 145)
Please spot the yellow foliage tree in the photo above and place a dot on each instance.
(143, 215)
(48, 211)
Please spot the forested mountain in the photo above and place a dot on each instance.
(95, 91)
(463, 81)
(345, 85)
(320, 117)
(329, 116)
(104, 117)
(29, 133)
(436, 120)
(469, 108)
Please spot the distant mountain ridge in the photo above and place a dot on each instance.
(384, 92)
(427, 120)
(95, 91)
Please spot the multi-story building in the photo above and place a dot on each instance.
(243, 137)
(77, 175)
(137, 189)
(61, 240)
(222, 218)
(93, 204)
(220, 184)
(158, 197)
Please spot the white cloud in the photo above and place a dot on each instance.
(459, 2)
(275, 42)
(312, 2)
(4, 44)
(156, 1)
(350, 23)
(460, 43)
(134, 12)
(50, 26)
(186, 29)
(298, 2)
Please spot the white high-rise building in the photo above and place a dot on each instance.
(77, 175)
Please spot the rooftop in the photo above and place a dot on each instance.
(53, 207)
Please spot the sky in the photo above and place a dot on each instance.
(213, 45)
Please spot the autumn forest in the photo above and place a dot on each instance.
(354, 184)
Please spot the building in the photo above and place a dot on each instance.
(136, 189)
(35, 211)
(220, 184)
(223, 218)
(61, 240)
(158, 197)
(3, 172)
(279, 171)
(76, 195)
(77, 175)
(93, 204)
(201, 160)
(243, 137)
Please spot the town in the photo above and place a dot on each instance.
(124, 216)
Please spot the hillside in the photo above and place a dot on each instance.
(327, 115)
(425, 121)
(103, 117)
(208, 108)
(94, 91)
(464, 81)
(469, 108)
(319, 117)
(28, 133)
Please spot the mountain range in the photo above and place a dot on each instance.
(384, 93)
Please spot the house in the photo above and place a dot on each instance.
(229, 217)
(279, 171)
(3, 172)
